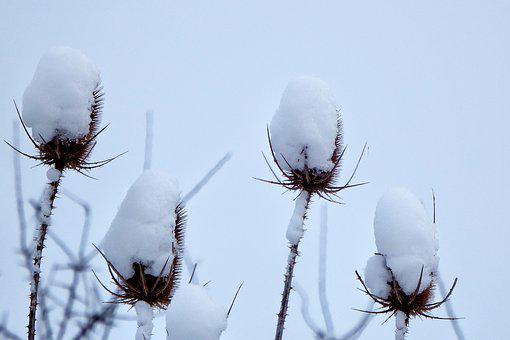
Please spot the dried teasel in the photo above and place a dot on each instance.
(306, 139)
(144, 245)
(400, 277)
(63, 105)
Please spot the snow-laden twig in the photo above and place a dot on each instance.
(327, 333)
(356, 331)
(449, 308)
(144, 317)
(149, 127)
(188, 260)
(305, 311)
(20, 202)
(206, 178)
(294, 233)
(323, 244)
(442, 288)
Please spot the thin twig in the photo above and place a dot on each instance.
(326, 313)
(207, 177)
(442, 288)
(305, 311)
(149, 127)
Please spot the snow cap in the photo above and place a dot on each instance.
(305, 120)
(377, 276)
(406, 237)
(143, 230)
(192, 314)
(58, 101)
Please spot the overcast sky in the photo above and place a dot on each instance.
(425, 84)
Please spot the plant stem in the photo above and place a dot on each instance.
(294, 233)
(144, 316)
(47, 200)
(401, 323)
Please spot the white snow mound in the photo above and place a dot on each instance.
(377, 276)
(406, 236)
(305, 121)
(58, 100)
(143, 229)
(192, 314)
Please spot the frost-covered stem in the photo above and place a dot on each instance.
(149, 123)
(18, 190)
(401, 323)
(294, 233)
(69, 305)
(305, 311)
(144, 316)
(45, 316)
(206, 178)
(449, 309)
(322, 270)
(47, 201)
(357, 329)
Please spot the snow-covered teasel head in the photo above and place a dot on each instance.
(400, 276)
(305, 136)
(144, 244)
(194, 315)
(62, 105)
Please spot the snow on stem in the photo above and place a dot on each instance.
(47, 204)
(401, 323)
(144, 317)
(294, 233)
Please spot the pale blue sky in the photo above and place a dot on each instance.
(425, 84)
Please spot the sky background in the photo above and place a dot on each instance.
(425, 84)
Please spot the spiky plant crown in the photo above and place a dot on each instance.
(156, 291)
(418, 303)
(313, 180)
(65, 153)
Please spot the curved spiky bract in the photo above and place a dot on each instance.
(157, 291)
(419, 303)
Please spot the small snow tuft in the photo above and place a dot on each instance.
(377, 276)
(406, 236)
(192, 314)
(143, 229)
(53, 174)
(305, 122)
(58, 100)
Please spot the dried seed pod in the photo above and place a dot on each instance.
(400, 277)
(143, 247)
(62, 105)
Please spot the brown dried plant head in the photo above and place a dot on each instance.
(157, 291)
(64, 153)
(417, 304)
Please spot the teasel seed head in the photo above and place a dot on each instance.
(144, 247)
(63, 107)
